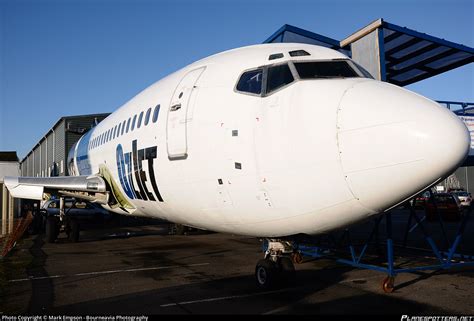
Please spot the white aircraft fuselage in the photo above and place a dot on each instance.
(303, 153)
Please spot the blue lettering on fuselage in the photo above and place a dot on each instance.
(130, 166)
(122, 173)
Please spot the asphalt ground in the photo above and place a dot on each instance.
(143, 270)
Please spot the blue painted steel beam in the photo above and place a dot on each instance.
(305, 33)
(424, 36)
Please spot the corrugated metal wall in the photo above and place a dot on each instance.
(60, 143)
(43, 166)
(55, 147)
(465, 175)
(36, 158)
(50, 141)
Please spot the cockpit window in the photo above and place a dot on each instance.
(299, 53)
(324, 69)
(251, 82)
(278, 76)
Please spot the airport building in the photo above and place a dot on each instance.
(49, 155)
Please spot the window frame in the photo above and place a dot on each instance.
(348, 61)
(294, 72)
(265, 78)
(247, 92)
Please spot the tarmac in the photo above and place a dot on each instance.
(142, 270)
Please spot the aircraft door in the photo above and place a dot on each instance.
(176, 127)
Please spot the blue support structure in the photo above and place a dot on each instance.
(445, 259)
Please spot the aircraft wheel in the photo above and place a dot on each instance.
(266, 274)
(52, 229)
(388, 284)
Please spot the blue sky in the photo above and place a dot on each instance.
(68, 57)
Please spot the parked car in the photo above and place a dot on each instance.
(80, 209)
(464, 197)
(448, 205)
(77, 214)
(421, 199)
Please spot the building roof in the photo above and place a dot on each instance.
(8, 157)
(57, 124)
(289, 33)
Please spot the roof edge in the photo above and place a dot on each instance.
(361, 32)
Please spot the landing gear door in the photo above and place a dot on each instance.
(176, 129)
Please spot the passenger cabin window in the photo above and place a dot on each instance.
(133, 122)
(123, 127)
(128, 124)
(325, 69)
(147, 116)
(251, 82)
(278, 76)
(140, 117)
(155, 113)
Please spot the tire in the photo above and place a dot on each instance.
(266, 274)
(52, 229)
(75, 231)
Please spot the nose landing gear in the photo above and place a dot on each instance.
(277, 266)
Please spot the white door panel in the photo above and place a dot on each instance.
(176, 129)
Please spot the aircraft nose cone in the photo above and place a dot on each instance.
(394, 143)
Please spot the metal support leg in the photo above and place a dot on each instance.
(364, 248)
(428, 239)
(458, 238)
(388, 220)
(61, 209)
(440, 220)
(407, 230)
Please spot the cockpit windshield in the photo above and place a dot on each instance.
(265, 80)
(324, 69)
